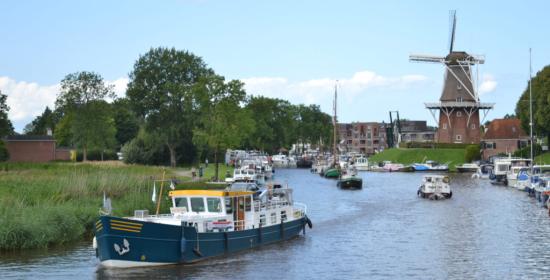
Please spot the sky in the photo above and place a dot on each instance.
(294, 50)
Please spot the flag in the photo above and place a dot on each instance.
(154, 197)
(172, 185)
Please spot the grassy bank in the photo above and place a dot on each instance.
(543, 159)
(49, 204)
(408, 156)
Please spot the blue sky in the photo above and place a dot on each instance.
(289, 49)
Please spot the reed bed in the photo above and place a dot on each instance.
(42, 205)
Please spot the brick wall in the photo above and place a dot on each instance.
(31, 151)
(458, 121)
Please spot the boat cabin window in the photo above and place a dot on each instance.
(273, 218)
(262, 220)
(197, 204)
(228, 205)
(181, 202)
(283, 216)
(214, 204)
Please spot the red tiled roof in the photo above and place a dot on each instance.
(505, 129)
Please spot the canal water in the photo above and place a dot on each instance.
(382, 231)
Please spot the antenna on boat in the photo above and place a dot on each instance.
(531, 109)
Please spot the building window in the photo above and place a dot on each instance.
(458, 137)
(362, 142)
(459, 99)
(459, 114)
(444, 126)
(489, 145)
(473, 126)
(349, 142)
(459, 86)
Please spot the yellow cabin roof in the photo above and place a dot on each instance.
(209, 193)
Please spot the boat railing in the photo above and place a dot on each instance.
(300, 206)
(270, 205)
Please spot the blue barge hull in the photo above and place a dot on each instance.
(126, 243)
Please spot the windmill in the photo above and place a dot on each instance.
(459, 104)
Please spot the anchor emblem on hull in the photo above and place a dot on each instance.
(124, 249)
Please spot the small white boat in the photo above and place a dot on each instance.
(467, 167)
(435, 187)
(516, 165)
(361, 164)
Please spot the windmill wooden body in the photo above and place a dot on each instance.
(459, 105)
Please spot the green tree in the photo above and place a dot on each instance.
(82, 97)
(126, 121)
(40, 125)
(541, 103)
(223, 123)
(6, 127)
(161, 93)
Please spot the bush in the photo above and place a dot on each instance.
(96, 155)
(473, 152)
(4, 155)
(525, 152)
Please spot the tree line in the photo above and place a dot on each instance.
(176, 110)
(540, 88)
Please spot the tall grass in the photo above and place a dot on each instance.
(56, 203)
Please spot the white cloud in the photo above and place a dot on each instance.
(320, 91)
(489, 84)
(28, 100)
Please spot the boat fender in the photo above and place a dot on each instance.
(436, 197)
(197, 252)
(450, 194)
(418, 192)
(309, 223)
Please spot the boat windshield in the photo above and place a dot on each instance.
(214, 204)
(181, 202)
(197, 204)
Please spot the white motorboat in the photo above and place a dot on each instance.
(435, 187)
(467, 167)
(361, 164)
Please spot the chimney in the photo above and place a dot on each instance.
(49, 131)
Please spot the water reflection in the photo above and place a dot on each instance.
(381, 231)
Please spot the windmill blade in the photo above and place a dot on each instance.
(452, 20)
(426, 58)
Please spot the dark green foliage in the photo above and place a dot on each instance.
(161, 92)
(126, 122)
(87, 121)
(40, 125)
(6, 127)
(4, 155)
(95, 154)
(541, 104)
(472, 153)
(525, 152)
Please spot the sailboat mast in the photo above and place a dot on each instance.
(531, 108)
(334, 123)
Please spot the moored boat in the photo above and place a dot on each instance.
(467, 167)
(435, 187)
(361, 163)
(201, 224)
(333, 172)
(430, 165)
